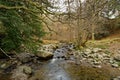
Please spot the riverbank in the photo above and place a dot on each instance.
(100, 60)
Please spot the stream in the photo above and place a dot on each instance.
(54, 69)
(60, 68)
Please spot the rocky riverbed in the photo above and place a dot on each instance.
(63, 62)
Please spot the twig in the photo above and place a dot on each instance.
(5, 53)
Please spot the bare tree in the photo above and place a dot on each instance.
(84, 17)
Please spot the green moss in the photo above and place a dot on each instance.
(119, 63)
(102, 46)
(107, 52)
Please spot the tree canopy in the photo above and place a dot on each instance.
(21, 23)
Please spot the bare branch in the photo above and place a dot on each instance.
(5, 53)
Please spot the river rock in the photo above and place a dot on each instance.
(115, 65)
(19, 76)
(97, 50)
(25, 57)
(100, 56)
(117, 57)
(21, 73)
(24, 69)
(44, 55)
(27, 70)
(111, 61)
(97, 62)
(88, 51)
(48, 47)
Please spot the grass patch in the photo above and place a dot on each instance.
(101, 46)
(98, 44)
(88, 73)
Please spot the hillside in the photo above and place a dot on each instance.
(116, 34)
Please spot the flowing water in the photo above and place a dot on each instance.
(61, 69)
(67, 70)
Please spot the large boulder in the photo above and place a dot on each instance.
(44, 55)
(25, 57)
(46, 51)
